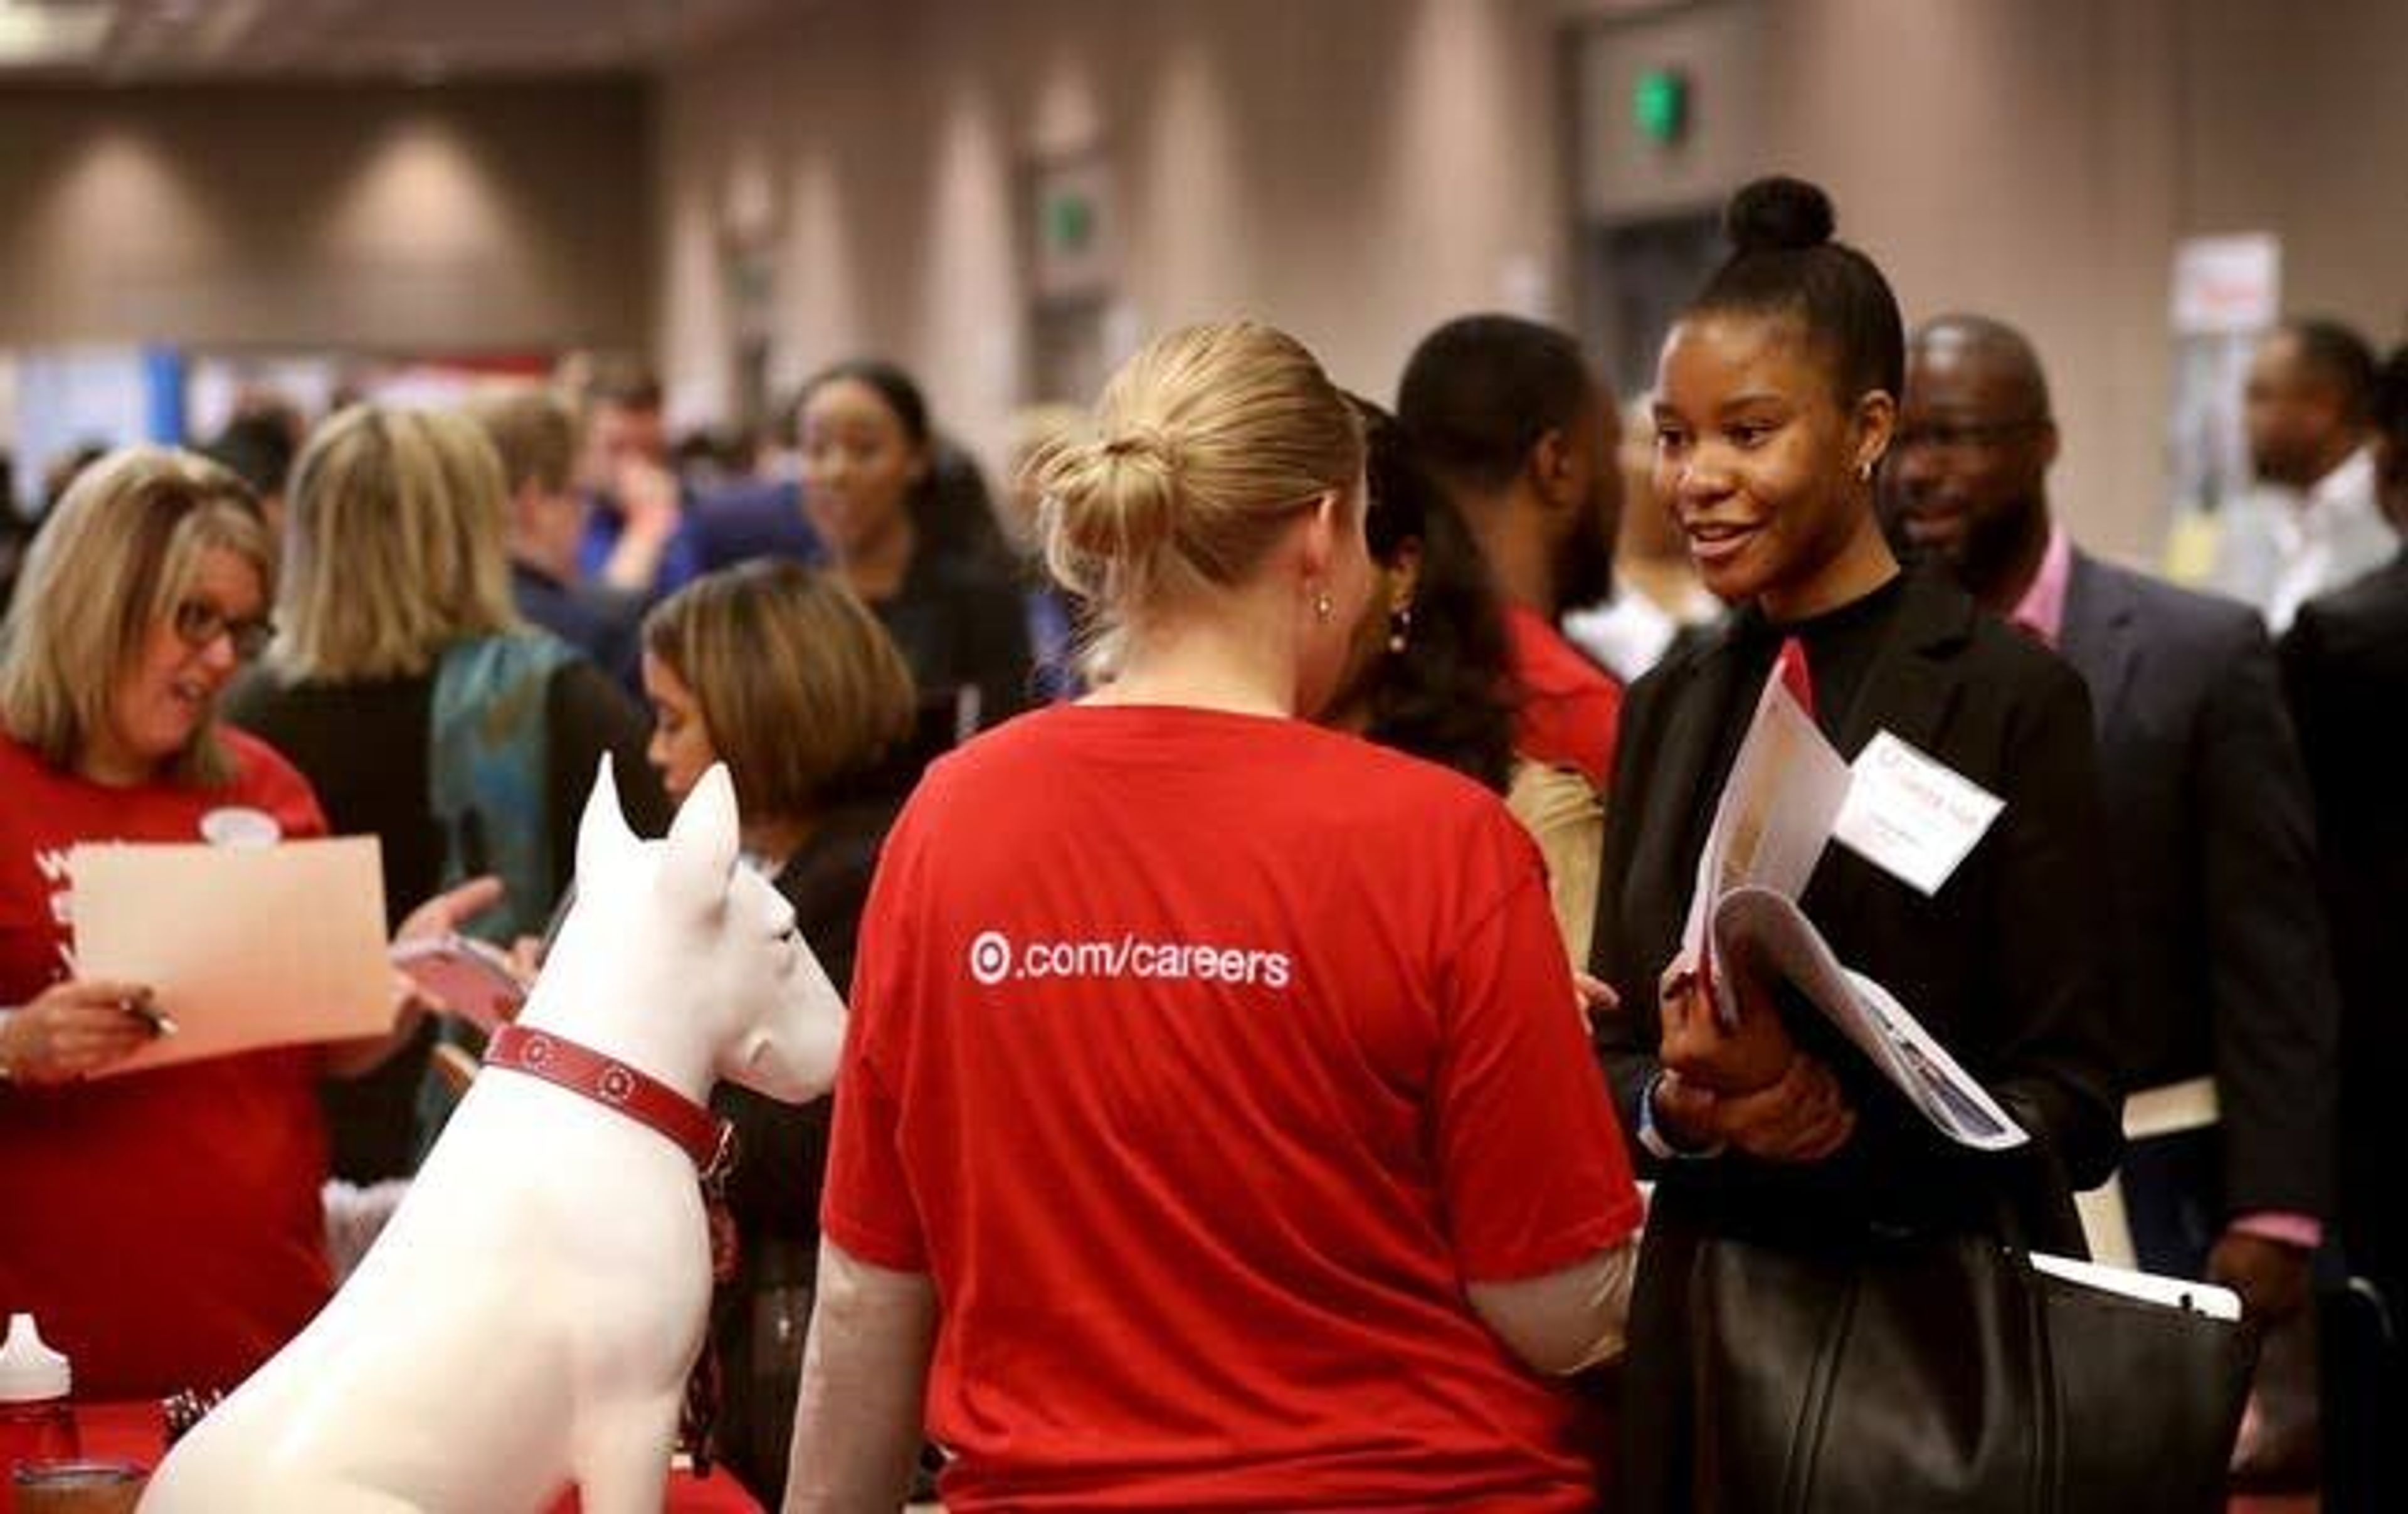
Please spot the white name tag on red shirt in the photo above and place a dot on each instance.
(1912, 815)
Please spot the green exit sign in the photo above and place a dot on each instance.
(1659, 105)
(1069, 220)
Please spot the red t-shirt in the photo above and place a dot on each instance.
(164, 1225)
(1571, 707)
(1201, 1059)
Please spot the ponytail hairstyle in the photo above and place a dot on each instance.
(1784, 262)
(1449, 697)
(1204, 446)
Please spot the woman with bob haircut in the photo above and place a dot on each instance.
(198, 1183)
(423, 708)
(1217, 1126)
(778, 671)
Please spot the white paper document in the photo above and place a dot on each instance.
(1766, 936)
(245, 947)
(1786, 786)
(1788, 789)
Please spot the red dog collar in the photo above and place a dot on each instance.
(614, 1085)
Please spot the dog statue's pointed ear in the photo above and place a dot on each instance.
(602, 833)
(704, 841)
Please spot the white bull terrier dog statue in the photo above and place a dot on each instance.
(529, 1315)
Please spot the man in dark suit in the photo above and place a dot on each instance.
(2209, 830)
(2345, 664)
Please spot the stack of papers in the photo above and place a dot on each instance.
(1766, 936)
(1788, 792)
(244, 946)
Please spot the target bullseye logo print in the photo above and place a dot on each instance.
(991, 958)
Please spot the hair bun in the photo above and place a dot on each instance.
(1149, 443)
(1779, 214)
(1111, 500)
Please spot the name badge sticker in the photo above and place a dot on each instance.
(238, 825)
(1912, 815)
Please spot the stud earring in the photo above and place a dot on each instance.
(1322, 606)
(1400, 628)
(1865, 473)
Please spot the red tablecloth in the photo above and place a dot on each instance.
(138, 1433)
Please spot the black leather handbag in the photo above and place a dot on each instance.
(1945, 1372)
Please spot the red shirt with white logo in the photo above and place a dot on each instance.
(1201, 1059)
(1571, 708)
(164, 1225)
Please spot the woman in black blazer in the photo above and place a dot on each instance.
(1776, 398)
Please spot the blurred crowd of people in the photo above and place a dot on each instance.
(1378, 722)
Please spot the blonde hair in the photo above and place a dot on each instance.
(393, 545)
(534, 432)
(120, 550)
(1036, 427)
(799, 686)
(1204, 446)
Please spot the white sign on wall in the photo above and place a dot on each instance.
(2228, 292)
(2226, 286)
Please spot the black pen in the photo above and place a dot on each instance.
(161, 1022)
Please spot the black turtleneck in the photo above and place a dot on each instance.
(1841, 645)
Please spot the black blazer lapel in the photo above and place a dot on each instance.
(2098, 638)
(1677, 786)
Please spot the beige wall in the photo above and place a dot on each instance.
(2039, 158)
(1354, 170)
(2295, 118)
(2018, 158)
(475, 217)
(1359, 170)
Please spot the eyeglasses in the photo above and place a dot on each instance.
(1964, 436)
(200, 622)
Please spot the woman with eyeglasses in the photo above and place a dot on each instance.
(423, 711)
(165, 1227)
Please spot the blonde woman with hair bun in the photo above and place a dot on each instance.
(1217, 1128)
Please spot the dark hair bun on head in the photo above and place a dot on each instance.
(1779, 214)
